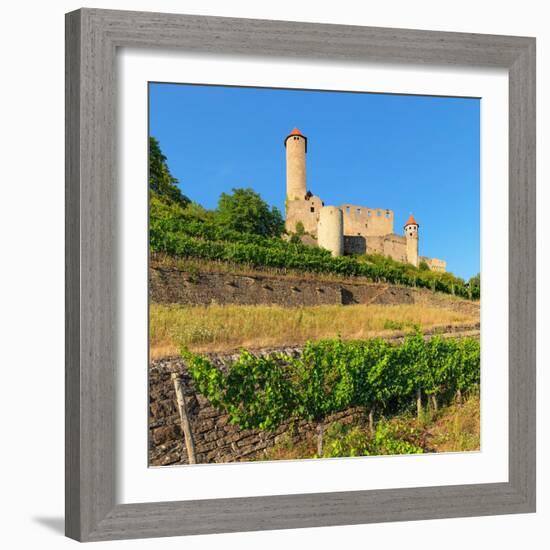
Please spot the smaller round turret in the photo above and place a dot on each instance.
(330, 230)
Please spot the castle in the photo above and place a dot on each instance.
(349, 228)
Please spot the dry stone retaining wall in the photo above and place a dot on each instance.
(173, 285)
(215, 439)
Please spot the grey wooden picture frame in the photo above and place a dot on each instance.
(92, 39)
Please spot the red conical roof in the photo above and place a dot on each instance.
(411, 221)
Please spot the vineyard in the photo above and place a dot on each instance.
(187, 233)
(381, 378)
(393, 381)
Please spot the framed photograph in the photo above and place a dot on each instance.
(300, 275)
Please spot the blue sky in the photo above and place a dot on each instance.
(416, 154)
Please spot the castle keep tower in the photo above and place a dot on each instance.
(411, 238)
(296, 148)
(330, 230)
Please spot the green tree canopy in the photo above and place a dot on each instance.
(161, 180)
(244, 210)
(475, 283)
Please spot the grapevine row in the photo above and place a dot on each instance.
(332, 375)
(288, 258)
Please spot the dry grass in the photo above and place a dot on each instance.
(457, 429)
(227, 327)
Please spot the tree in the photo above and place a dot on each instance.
(161, 180)
(475, 282)
(474, 286)
(244, 210)
(423, 266)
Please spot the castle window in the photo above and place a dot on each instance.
(359, 211)
(378, 213)
(312, 209)
(368, 213)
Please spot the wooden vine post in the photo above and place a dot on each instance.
(320, 434)
(184, 417)
(418, 403)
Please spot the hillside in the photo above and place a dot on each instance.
(268, 342)
(191, 232)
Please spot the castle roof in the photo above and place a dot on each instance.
(411, 221)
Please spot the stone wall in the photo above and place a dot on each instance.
(169, 284)
(375, 245)
(305, 211)
(355, 245)
(215, 439)
(395, 246)
(434, 264)
(364, 221)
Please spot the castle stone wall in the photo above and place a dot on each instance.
(364, 221)
(395, 247)
(391, 245)
(375, 245)
(434, 264)
(355, 245)
(305, 211)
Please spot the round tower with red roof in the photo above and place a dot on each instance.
(296, 148)
(411, 237)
